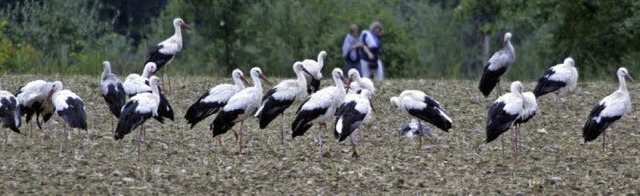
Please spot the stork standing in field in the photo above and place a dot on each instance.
(112, 91)
(240, 106)
(30, 98)
(9, 112)
(70, 107)
(166, 50)
(504, 112)
(314, 69)
(213, 100)
(137, 110)
(320, 107)
(280, 97)
(135, 84)
(416, 103)
(34, 98)
(608, 110)
(352, 113)
(558, 79)
(497, 66)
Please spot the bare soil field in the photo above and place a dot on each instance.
(177, 159)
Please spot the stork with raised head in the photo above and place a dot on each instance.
(240, 106)
(9, 112)
(353, 112)
(559, 79)
(320, 107)
(314, 69)
(358, 82)
(137, 110)
(413, 128)
(497, 66)
(166, 50)
(504, 112)
(112, 91)
(609, 110)
(280, 97)
(214, 99)
(417, 104)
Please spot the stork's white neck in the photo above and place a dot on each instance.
(146, 73)
(256, 81)
(320, 61)
(238, 82)
(339, 85)
(107, 70)
(623, 83)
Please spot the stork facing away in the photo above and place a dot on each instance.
(353, 112)
(497, 66)
(9, 112)
(112, 91)
(314, 69)
(559, 79)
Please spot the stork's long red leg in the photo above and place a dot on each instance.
(241, 134)
(320, 127)
(421, 137)
(140, 142)
(282, 128)
(353, 146)
(604, 139)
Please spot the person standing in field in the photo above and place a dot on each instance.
(370, 62)
(350, 49)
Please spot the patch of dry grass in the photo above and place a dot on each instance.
(180, 160)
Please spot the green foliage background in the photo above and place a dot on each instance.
(428, 39)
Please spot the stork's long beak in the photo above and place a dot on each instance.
(185, 26)
(244, 80)
(346, 81)
(263, 77)
(630, 78)
(46, 101)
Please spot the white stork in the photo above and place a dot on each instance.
(34, 98)
(30, 98)
(559, 79)
(164, 52)
(214, 99)
(280, 97)
(504, 112)
(352, 113)
(70, 107)
(9, 112)
(135, 84)
(608, 110)
(358, 82)
(137, 110)
(416, 103)
(112, 91)
(496, 66)
(320, 107)
(314, 69)
(240, 106)
(413, 128)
